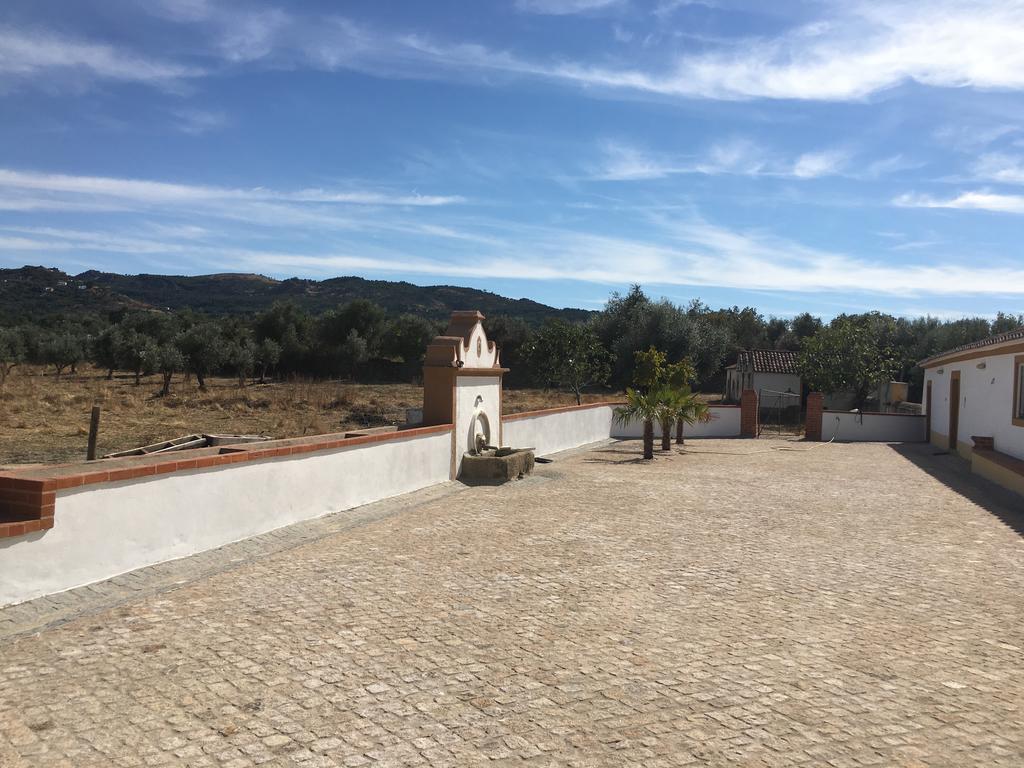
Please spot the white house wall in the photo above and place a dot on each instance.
(777, 382)
(986, 402)
(107, 529)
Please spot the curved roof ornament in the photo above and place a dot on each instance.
(464, 344)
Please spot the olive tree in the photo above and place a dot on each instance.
(568, 355)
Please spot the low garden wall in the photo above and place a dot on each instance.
(558, 429)
(725, 422)
(113, 517)
(850, 427)
(65, 526)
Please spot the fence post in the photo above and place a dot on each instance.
(748, 413)
(94, 432)
(815, 410)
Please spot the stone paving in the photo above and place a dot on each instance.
(839, 605)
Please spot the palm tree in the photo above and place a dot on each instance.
(645, 407)
(669, 401)
(689, 410)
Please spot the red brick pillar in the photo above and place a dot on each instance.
(748, 413)
(815, 409)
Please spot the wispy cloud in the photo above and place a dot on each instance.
(814, 164)
(1003, 168)
(972, 201)
(853, 51)
(564, 7)
(736, 156)
(857, 50)
(30, 53)
(693, 253)
(196, 122)
(144, 191)
(682, 250)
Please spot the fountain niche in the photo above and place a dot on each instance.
(462, 385)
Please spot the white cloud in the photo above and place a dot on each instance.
(1006, 169)
(814, 164)
(974, 201)
(564, 7)
(150, 192)
(691, 253)
(26, 53)
(623, 162)
(856, 49)
(182, 10)
(196, 122)
(859, 49)
(675, 249)
(737, 156)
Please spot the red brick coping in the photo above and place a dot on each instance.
(560, 409)
(28, 495)
(569, 408)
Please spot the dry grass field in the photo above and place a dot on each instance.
(43, 419)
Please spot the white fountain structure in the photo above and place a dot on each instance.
(462, 385)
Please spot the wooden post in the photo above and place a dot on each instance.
(94, 431)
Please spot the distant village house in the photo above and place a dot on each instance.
(769, 372)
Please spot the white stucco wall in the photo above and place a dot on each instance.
(560, 431)
(725, 422)
(107, 529)
(986, 402)
(777, 382)
(872, 427)
(467, 389)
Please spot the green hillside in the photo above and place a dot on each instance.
(32, 292)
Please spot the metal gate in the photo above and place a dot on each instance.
(778, 411)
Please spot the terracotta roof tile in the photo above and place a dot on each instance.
(990, 341)
(768, 360)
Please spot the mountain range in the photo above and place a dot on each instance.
(34, 292)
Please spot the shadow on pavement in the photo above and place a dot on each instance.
(955, 473)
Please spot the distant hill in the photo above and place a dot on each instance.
(31, 292)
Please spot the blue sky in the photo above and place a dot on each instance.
(828, 156)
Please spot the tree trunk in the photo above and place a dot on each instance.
(201, 378)
(110, 374)
(166, 390)
(679, 432)
(579, 396)
(648, 439)
(666, 435)
(138, 376)
(263, 374)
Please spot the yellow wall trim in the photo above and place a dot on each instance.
(1004, 476)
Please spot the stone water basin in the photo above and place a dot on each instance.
(497, 465)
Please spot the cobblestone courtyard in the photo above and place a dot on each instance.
(845, 605)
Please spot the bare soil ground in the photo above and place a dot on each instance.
(46, 420)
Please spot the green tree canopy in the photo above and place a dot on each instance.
(567, 355)
(850, 355)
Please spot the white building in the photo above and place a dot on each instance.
(974, 400)
(768, 372)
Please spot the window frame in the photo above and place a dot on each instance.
(1018, 391)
